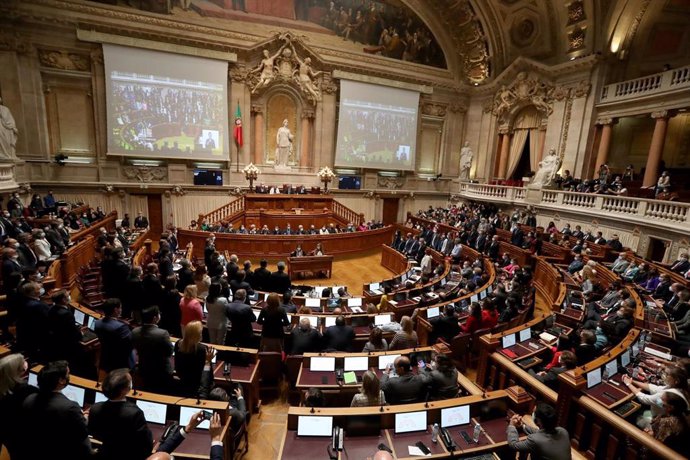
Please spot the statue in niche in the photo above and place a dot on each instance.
(466, 156)
(548, 167)
(284, 140)
(267, 69)
(8, 134)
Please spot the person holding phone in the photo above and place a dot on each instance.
(173, 442)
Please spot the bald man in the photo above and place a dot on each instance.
(382, 455)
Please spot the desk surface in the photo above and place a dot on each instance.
(197, 444)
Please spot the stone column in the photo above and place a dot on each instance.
(505, 152)
(604, 142)
(306, 135)
(541, 142)
(258, 135)
(656, 149)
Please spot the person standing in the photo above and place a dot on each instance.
(154, 350)
(217, 320)
(241, 318)
(272, 319)
(115, 338)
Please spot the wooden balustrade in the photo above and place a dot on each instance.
(95, 229)
(227, 212)
(347, 214)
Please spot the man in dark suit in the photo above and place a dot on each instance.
(10, 263)
(120, 424)
(239, 282)
(141, 221)
(115, 338)
(65, 335)
(279, 281)
(305, 339)
(154, 350)
(407, 387)
(32, 321)
(681, 265)
(566, 361)
(27, 256)
(262, 277)
(119, 272)
(60, 422)
(445, 245)
(185, 275)
(481, 241)
(340, 336)
(241, 317)
(494, 248)
(414, 247)
(444, 326)
(56, 244)
(516, 236)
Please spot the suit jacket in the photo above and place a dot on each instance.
(408, 388)
(61, 424)
(65, 335)
(442, 386)
(680, 266)
(235, 285)
(262, 279)
(154, 349)
(238, 406)
(27, 256)
(516, 237)
(305, 341)
(339, 338)
(241, 318)
(141, 222)
(10, 266)
(279, 282)
(116, 344)
(11, 434)
(540, 444)
(32, 327)
(122, 428)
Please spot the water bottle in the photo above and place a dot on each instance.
(477, 432)
(434, 433)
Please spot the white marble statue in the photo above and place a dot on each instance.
(548, 167)
(266, 69)
(8, 134)
(284, 139)
(466, 156)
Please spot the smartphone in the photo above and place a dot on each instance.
(206, 415)
(421, 363)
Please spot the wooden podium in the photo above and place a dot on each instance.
(310, 264)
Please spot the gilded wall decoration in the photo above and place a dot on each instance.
(145, 173)
(576, 12)
(433, 109)
(64, 60)
(576, 39)
(525, 90)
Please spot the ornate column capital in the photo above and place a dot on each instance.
(661, 114)
(607, 121)
(257, 109)
(308, 114)
(504, 130)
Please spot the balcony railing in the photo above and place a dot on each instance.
(649, 85)
(637, 210)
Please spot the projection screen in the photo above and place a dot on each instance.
(164, 105)
(377, 127)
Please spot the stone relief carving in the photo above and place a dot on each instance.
(286, 66)
(434, 109)
(560, 93)
(390, 182)
(576, 39)
(145, 174)
(582, 88)
(576, 12)
(64, 60)
(525, 90)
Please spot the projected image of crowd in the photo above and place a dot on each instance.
(145, 114)
(373, 136)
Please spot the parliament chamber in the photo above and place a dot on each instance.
(344, 229)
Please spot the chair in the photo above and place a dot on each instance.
(270, 370)
(459, 349)
(292, 367)
(237, 437)
(474, 344)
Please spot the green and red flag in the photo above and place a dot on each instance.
(238, 125)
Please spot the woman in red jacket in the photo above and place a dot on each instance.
(474, 321)
(489, 314)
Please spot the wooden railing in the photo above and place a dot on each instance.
(63, 272)
(347, 214)
(227, 212)
(94, 230)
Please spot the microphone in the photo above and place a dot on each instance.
(426, 400)
(98, 372)
(312, 408)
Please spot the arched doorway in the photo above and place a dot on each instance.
(525, 148)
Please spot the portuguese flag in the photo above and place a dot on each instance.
(238, 125)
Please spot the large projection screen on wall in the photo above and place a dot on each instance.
(164, 105)
(377, 127)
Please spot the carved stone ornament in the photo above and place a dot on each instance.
(286, 66)
(240, 73)
(582, 88)
(576, 39)
(371, 195)
(145, 173)
(64, 60)
(390, 182)
(525, 90)
(237, 191)
(576, 12)
(433, 109)
(560, 93)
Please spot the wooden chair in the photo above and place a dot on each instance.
(459, 350)
(270, 370)
(292, 367)
(474, 344)
(234, 448)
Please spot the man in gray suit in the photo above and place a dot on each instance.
(546, 441)
(404, 387)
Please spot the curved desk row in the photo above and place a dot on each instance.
(276, 246)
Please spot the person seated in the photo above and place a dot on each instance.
(116, 420)
(549, 377)
(546, 440)
(614, 328)
(489, 314)
(576, 265)
(681, 265)
(442, 377)
(298, 252)
(585, 351)
(406, 337)
(675, 381)
(304, 338)
(474, 320)
(370, 393)
(288, 304)
(376, 341)
(314, 397)
(318, 250)
(615, 243)
(339, 337)
(407, 387)
(510, 311)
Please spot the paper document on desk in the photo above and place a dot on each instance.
(658, 354)
(356, 309)
(416, 451)
(376, 292)
(546, 337)
(650, 304)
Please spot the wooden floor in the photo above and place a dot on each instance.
(350, 271)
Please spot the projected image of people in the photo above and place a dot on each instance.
(376, 135)
(166, 116)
